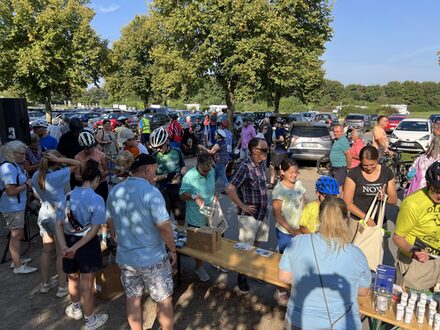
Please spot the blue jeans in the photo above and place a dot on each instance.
(220, 172)
(283, 239)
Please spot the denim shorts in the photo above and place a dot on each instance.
(283, 239)
(156, 278)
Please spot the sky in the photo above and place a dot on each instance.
(374, 41)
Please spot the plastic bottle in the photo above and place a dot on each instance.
(433, 304)
(437, 321)
(431, 315)
(409, 315)
(400, 311)
(420, 315)
(404, 297)
(381, 300)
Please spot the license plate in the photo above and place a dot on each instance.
(407, 144)
(310, 145)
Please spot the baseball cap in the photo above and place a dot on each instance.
(142, 159)
(125, 135)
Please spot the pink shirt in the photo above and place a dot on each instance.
(247, 133)
(355, 150)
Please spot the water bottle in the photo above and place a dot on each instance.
(381, 300)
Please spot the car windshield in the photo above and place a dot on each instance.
(396, 118)
(310, 131)
(416, 126)
(355, 117)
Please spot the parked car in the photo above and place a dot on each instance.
(158, 119)
(412, 135)
(36, 115)
(393, 121)
(309, 141)
(434, 118)
(329, 119)
(308, 115)
(297, 116)
(373, 120)
(357, 120)
(112, 116)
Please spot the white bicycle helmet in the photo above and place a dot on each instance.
(86, 139)
(39, 123)
(158, 137)
(238, 123)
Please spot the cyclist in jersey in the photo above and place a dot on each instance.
(175, 131)
(417, 235)
(170, 170)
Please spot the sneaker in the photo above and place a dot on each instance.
(62, 292)
(202, 274)
(45, 287)
(242, 283)
(23, 261)
(99, 321)
(74, 313)
(24, 269)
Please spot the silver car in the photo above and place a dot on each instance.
(309, 141)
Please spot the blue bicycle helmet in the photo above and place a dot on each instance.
(327, 185)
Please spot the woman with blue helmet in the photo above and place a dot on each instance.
(325, 186)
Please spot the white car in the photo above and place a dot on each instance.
(412, 135)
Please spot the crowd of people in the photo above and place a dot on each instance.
(108, 185)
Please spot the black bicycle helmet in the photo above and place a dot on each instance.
(173, 115)
(76, 124)
(327, 185)
(432, 175)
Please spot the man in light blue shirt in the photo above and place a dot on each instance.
(198, 190)
(138, 221)
(340, 156)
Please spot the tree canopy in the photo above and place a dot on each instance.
(49, 48)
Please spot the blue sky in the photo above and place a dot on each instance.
(374, 41)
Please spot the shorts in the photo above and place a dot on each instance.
(283, 240)
(251, 229)
(340, 173)
(157, 278)
(13, 220)
(173, 202)
(87, 259)
(415, 274)
(46, 219)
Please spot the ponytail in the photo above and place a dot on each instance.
(44, 166)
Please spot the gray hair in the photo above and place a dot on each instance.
(7, 151)
(433, 151)
(204, 159)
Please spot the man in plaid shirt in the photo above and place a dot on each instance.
(248, 190)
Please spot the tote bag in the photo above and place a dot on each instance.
(370, 239)
(218, 220)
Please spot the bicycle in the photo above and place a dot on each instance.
(399, 167)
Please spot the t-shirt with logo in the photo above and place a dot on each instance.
(366, 190)
(418, 221)
(169, 162)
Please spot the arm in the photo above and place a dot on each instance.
(28, 167)
(14, 190)
(231, 190)
(211, 151)
(349, 157)
(284, 276)
(277, 214)
(111, 229)
(69, 253)
(72, 163)
(99, 137)
(391, 192)
(166, 232)
(349, 189)
(187, 196)
(363, 292)
(404, 246)
(304, 230)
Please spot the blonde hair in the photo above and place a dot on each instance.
(433, 151)
(44, 166)
(124, 160)
(333, 216)
(7, 151)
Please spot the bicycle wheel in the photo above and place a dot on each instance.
(323, 166)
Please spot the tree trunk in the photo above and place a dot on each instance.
(229, 89)
(48, 107)
(276, 102)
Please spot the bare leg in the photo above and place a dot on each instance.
(62, 277)
(74, 292)
(134, 312)
(15, 245)
(48, 246)
(87, 297)
(272, 174)
(165, 314)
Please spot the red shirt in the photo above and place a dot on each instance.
(175, 131)
(355, 150)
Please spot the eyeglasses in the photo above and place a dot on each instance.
(263, 149)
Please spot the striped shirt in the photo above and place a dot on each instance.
(250, 181)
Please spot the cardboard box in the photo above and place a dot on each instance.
(108, 282)
(204, 239)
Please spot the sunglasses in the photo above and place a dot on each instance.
(263, 149)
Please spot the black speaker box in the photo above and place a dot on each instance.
(14, 120)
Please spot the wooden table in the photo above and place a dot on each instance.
(244, 262)
(266, 269)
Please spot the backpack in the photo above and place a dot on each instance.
(76, 226)
(16, 181)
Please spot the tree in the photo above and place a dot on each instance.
(332, 91)
(48, 47)
(297, 32)
(131, 61)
